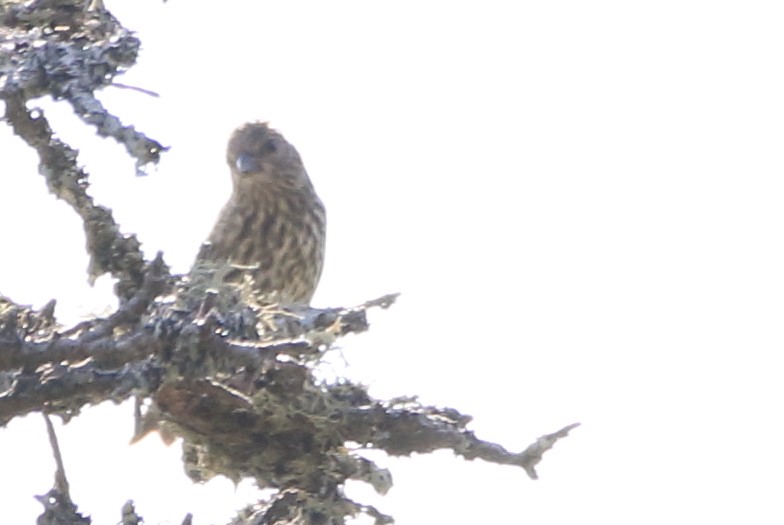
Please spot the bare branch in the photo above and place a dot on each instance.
(59, 508)
(60, 480)
(148, 92)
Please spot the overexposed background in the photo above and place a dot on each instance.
(581, 203)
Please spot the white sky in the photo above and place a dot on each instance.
(581, 203)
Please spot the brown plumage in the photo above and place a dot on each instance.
(273, 226)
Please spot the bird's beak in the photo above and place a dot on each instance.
(246, 164)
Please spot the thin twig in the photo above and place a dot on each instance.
(60, 480)
(135, 88)
(385, 301)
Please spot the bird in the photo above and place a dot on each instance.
(273, 227)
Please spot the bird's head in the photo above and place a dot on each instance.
(259, 155)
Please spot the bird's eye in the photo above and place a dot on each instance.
(270, 146)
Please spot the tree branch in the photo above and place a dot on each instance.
(66, 389)
(69, 49)
(59, 508)
(81, 49)
(109, 250)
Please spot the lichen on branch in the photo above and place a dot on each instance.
(69, 49)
